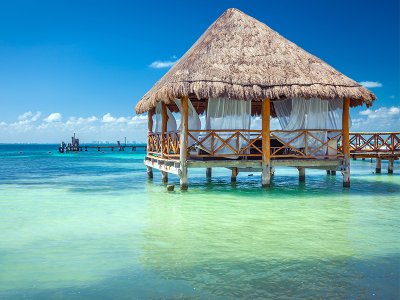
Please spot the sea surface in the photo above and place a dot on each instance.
(90, 225)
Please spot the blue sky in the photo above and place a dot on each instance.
(83, 65)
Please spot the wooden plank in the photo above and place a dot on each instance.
(228, 163)
(162, 167)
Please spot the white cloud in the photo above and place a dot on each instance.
(28, 117)
(158, 64)
(108, 118)
(380, 119)
(88, 129)
(371, 84)
(53, 117)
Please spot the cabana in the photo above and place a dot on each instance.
(238, 71)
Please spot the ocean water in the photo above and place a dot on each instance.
(92, 226)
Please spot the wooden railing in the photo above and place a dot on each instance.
(370, 142)
(301, 144)
(169, 147)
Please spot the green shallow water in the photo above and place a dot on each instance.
(91, 226)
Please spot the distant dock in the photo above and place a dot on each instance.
(99, 148)
(75, 146)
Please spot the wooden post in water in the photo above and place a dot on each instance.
(234, 174)
(378, 166)
(346, 142)
(184, 143)
(208, 173)
(150, 129)
(302, 174)
(390, 165)
(333, 172)
(266, 145)
(328, 172)
(164, 120)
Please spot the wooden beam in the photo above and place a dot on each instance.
(390, 165)
(302, 174)
(208, 173)
(164, 177)
(266, 144)
(234, 174)
(150, 120)
(184, 143)
(378, 166)
(150, 172)
(164, 119)
(346, 141)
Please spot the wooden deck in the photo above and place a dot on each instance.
(163, 152)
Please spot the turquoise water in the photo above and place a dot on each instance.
(91, 226)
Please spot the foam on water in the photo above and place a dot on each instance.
(90, 225)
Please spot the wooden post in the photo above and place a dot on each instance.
(390, 165)
(266, 145)
(378, 166)
(184, 143)
(333, 172)
(234, 174)
(150, 129)
(150, 172)
(346, 142)
(302, 174)
(164, 177)
(328, 172)
(150, 120)
(208, 173)
(164, 119)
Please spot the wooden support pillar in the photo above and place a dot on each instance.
(328, 172)
(346, 142)
(378, 166)
(266, 145)
(208, 173)
(184, 143)
(164, 177)
(164, 119)
(150, 172)
(333, 173)
(391, 165)
(234, 174)
(150, 120)
(149, 129)
(363, 158)
(302, 174)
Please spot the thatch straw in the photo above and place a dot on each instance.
(239, 57)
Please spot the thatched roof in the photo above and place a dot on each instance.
(239, 57)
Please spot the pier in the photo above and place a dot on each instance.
(75, 146)
(376, 145)
(164, 154)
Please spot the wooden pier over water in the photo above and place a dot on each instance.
(163, 153)
(377, 145)
(99, 148)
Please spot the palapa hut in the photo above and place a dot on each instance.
(241, 68)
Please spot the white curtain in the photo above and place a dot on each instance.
(194, 122)
(157, 120)
(223, 113)
(298, 113)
